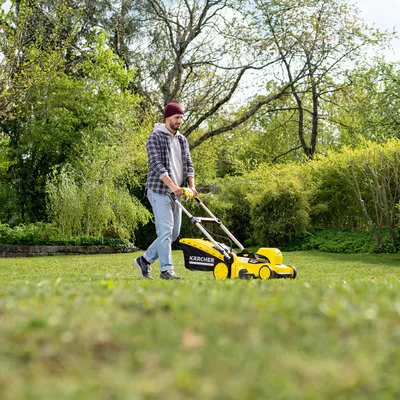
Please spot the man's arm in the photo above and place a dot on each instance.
(175, 189)
(154, 152)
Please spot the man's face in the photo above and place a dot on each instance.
(174, 122)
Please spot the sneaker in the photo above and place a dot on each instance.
(144, 267)
(170, 274)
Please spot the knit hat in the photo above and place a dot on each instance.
(172, 109)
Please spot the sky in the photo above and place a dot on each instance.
(384, 15)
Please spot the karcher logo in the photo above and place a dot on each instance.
(201, 260)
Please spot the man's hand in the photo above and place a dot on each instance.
(176, 190)
(192, 186)
(193, 189)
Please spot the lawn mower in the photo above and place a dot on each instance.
(211, 255)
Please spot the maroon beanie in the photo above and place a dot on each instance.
(172, 109)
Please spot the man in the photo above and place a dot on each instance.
(170, 167)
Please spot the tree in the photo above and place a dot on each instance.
(189, 52)
(59, 112)
(321, 38)
(34, 36)
(369, 107)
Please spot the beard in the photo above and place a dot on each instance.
(175, 126)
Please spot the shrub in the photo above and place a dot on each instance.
(361, 189)
(340, 241)
(333, 203)
(47, 234)
(231, 205)
(279, 215)
(91, 200)
(279, 203)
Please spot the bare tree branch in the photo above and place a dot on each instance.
(286, 152)
(244, 117)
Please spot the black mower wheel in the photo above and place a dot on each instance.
(294, 274)
(244, 274)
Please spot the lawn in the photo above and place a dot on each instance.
(88, 327)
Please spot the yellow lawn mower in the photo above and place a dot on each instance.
(210, 255)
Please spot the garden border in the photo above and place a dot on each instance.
(9, 251)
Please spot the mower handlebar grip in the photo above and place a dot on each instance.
(189, 194)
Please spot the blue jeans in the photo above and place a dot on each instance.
(167, 217)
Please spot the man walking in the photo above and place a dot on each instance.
(170, 168)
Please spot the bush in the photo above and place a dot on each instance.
(92, 200)
(279, 216)
(230, 204)
(333, 204)
(47, 234)
(279, 204)
(264, 207)
(340, 241)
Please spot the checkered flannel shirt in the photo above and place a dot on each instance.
(159, 156)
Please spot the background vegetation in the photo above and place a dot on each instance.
(293, 127)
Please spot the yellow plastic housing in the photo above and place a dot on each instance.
(274, 255)
(249, 266)
(257, 269)
(203, 245)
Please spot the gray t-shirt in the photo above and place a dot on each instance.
(176, 160)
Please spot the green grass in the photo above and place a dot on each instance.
(87, 327)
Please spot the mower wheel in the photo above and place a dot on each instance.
(265, 272)
(221, 271)
(294, 273)
(244, 274)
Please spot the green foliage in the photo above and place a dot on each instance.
(268, 206)
(65, 202)
(372, 171)
(351, 189)
(32, 234)
(279, 212)
(82, 326)
(41, 233)
(335, 241)
(61, 112)
(8, 201)
(372, 104)
(232, 206)
(333, 203)
(92, 200)
(8, 198)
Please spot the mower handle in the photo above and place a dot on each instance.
(197, 221)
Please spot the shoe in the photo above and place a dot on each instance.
(170, 274)
(144, 267)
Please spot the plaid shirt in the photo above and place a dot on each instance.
(159, 158)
